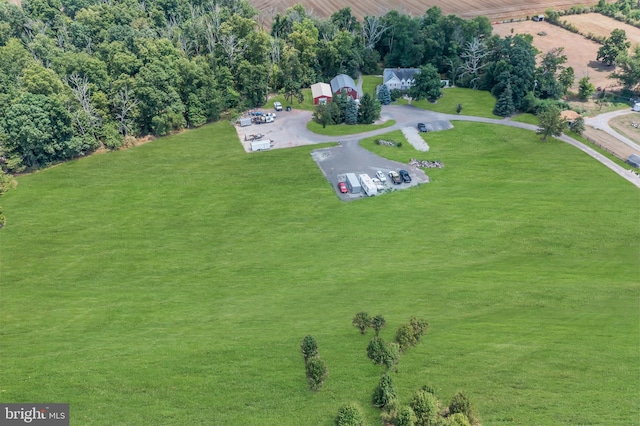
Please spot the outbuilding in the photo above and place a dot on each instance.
(634, 160)
(343, 83)
(321, 93)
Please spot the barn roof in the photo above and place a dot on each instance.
(320, 89)
(342, 80)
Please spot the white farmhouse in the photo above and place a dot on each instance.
(399, 78)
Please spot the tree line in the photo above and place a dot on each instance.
(82, 75)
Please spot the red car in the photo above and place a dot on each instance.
(342, 187)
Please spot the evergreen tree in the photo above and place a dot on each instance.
(309, 347)
(384, 394)
(349, 415)
(369, 110)
(351, 112)
(504, 107)
(384, 95)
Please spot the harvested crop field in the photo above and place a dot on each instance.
(581, 52)
(601, 25)
(495, 10)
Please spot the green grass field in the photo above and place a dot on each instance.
(474, 102)
(172, 283)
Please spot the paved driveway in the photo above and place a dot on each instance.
(290, 129)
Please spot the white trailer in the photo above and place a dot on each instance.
(262, 145)
(636, 106)
(352, 183)
(368, 186)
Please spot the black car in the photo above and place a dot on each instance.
(405, 176)
(422, 127)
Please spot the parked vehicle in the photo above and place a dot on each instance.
(405, 176)
(342, 187)
(353, 183)
(381, 176)
(262, 145)
(277, 106)
(422, 127)
(395, 177)
(378, 183)
(367, 185)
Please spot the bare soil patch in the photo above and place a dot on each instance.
(601, 25)
(608, 143)
(581, 53)
(493, 9)
(627, 125)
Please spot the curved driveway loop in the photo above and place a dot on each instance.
(290, 129)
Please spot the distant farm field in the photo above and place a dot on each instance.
(602, 26)
(492, 9)
(172, 283)
(581, 53)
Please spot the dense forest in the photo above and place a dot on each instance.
(80, 75)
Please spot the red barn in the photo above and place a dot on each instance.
(321, 93)
(343, 82)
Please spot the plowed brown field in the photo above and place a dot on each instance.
(581, 53)
(602, 26)
(495, 10)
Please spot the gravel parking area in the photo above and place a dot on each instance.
(350, 157)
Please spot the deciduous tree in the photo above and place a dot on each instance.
(613, 46)
(551, 123)
(362, 321)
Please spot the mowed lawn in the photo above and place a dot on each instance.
(172, 283)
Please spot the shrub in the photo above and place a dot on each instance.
(317, 372)
(461, 404)
(409, 334)
(381, 352)
(377, 323)
(406, 417)
(349, 415)
(309, 347)
(404, 337)
(425, 407)
(384, 393)
(362, 321)
(396, 94)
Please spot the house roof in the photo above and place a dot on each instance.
(400, 73)
(340, 81)
(320, 89)
(569, 115)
